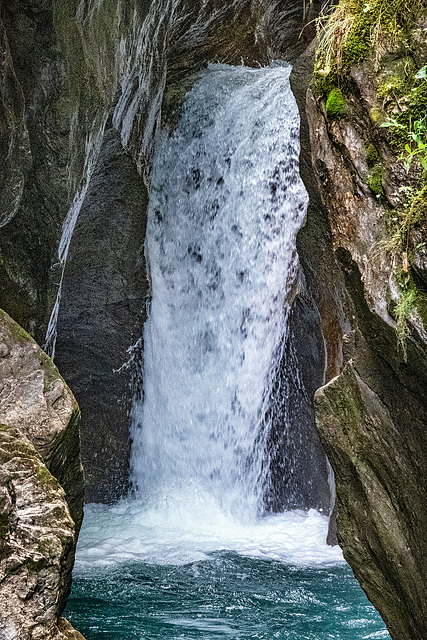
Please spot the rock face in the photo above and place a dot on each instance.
(104, 295)
(372, 420)
(35, 399)
(298, 467)
(372, 414)
(66, 67)
(104, 288)
(39, 518)
(37, 542)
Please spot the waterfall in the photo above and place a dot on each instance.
(226, 203)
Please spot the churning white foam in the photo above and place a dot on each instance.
(184, 526)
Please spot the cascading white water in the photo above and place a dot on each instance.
(226, 203)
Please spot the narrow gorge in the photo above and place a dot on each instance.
(213, 219)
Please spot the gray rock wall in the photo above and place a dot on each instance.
(41, 488)
(372, 421)
(371, 416)
(104, 295)
(66, 66)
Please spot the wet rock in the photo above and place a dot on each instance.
(370, 417)
(38, 157)
(14, 141)
(371, 420)
(39, 518)
(37, 541)
(298, 466)
(103, 308)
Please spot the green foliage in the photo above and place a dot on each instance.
(335, 104)
(409, 127)
(414, 135)
(375, 180)
(422, 73)
(354, 27)
(394, 85)
(357, 43)
(405, 306)
(372, 156)
(418, 207)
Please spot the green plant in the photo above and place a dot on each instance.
(405, 306)
(372, 156)
(353, 27)
(335, 104)
(391, 86)
(418, 206)
(416, 135)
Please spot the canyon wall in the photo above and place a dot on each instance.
(371, 414)
(84, 86)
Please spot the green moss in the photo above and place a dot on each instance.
(16, 450)
(324, 85)
(357, 44)
(45, 477)
(411, 298)
(415, 110)
(393, 85)
(355, 28)
(335, 104)
(377, 115)
(375, 180)
(418, 207)
(372, 156)
(14, 328)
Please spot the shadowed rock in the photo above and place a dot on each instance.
(102, 314)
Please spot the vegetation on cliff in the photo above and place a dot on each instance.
(388, 37)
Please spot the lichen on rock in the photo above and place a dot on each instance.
(41, 488)
(37, 542)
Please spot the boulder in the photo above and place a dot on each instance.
(36, 542)
(41, 488)
(35, 399)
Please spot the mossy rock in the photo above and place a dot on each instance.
(375, 180)
(357, 44)
(335, 105)
(418, 210)
(372, 156)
